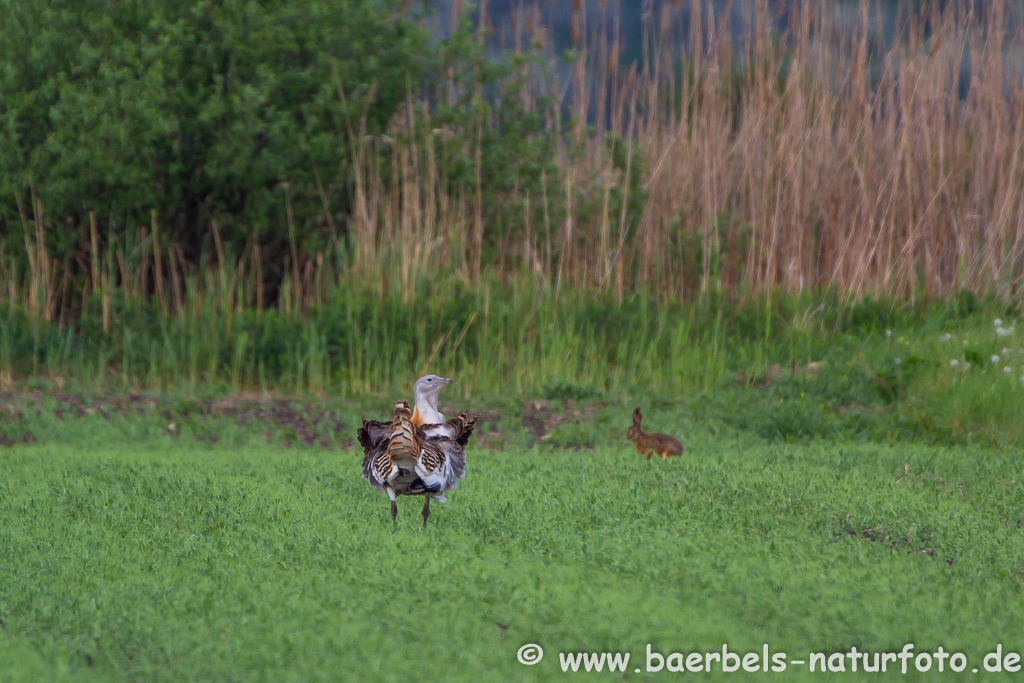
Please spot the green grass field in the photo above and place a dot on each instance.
(228, 230)
(129, 553)
(849, 481)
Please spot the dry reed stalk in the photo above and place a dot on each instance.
(47, 273)
(158, 264)
(105, 301)
(177, 292)
(94, 250)
(30, 252)
(257, 274)
(294, 247)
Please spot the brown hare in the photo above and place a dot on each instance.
(647, 444)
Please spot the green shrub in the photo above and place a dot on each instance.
(193, 109)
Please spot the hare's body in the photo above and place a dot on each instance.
(664, 445)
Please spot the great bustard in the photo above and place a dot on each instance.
(406, 459)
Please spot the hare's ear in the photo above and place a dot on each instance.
(637, 417)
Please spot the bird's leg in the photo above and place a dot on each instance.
(394, 505)
(426, 510)
(648, 456)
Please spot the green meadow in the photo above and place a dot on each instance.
(178, 561)
(866, 496)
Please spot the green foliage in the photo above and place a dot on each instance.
(194, 109)
(255, 114)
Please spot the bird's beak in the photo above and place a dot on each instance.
(447, 381)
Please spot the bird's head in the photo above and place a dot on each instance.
(402, 410)
(429, 386)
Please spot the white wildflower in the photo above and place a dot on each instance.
(997, 322)
(1007, 370)
(995, 359)
(953, 363)
(897, 361)
(946, 337)
(888, 333)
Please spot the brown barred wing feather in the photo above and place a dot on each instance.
(457, 429)
(442, 460)
(442, 463)
(372, 433)
(378, 468)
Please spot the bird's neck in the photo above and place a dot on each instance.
(425, 412)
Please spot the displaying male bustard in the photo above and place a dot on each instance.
(403, 458)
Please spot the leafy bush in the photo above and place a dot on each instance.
(194, 109)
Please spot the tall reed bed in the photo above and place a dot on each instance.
(826, 157)
(495, 210)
